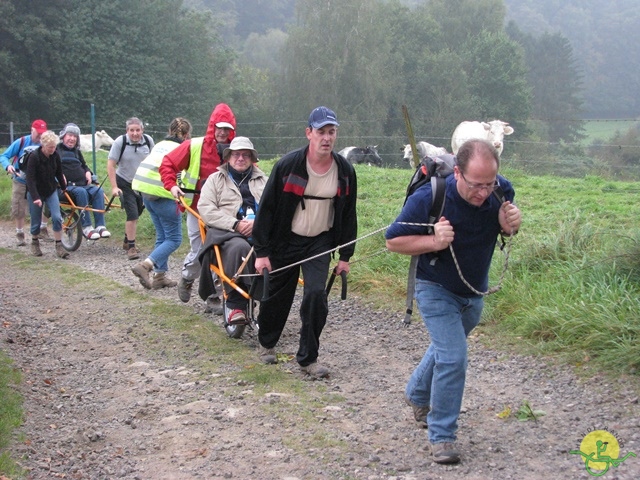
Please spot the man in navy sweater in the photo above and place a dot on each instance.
(471, 221)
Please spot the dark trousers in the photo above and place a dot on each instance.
(282, 287)
(232, 252)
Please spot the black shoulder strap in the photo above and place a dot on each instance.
(124, 146)
(438, 196)
(499, 193)
(146, 142)
(438, 187)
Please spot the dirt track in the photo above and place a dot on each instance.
(111, 392)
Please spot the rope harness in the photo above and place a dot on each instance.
(491, 290)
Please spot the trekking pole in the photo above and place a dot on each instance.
(244, 264)
(412, 139)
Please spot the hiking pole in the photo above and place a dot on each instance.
(412, 139)
(244, 264)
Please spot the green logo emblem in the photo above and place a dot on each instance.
(600, 451)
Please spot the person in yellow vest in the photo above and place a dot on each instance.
(162, 208)
(195, 160)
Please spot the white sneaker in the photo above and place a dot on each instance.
(90, 233)
(102, 230)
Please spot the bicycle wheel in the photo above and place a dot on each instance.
(234, 331)
(71, 230)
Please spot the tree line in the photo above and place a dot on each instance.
(447, 60)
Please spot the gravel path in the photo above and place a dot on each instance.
(111, 392)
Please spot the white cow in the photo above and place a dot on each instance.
(493, 131)
(424, 150)
(102, 140)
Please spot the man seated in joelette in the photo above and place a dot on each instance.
(79, 182)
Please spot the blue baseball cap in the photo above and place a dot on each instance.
(322, 116)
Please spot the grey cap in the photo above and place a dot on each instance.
(240, 143)
(71, 128)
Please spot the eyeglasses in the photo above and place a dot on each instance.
(236, 155)
(489, 187)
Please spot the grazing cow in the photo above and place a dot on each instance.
(368, 155)
(102, 140)
(493, 131)
(424, 150)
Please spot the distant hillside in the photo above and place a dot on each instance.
(604, 35)
(606, 42)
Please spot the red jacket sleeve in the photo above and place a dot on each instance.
(173, 163)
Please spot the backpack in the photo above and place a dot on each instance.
(20, 164)
(146, 142)
(15, 162)
(434, 170)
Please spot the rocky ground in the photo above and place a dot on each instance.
(110, 391)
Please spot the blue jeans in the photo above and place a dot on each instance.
(438, 381)
(167, 220)
(53, 202)
(89, 195)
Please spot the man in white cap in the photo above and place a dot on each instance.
(308, 208)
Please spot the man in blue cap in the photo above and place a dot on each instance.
(307, 209)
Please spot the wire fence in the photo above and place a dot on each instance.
(616, 161)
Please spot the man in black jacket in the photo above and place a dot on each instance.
(308, 208)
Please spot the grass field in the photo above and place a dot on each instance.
(602, 130)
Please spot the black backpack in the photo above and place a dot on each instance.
(146, 142)
(20, 164)
(434, 170)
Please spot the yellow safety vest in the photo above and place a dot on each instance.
(190, 177)
(147, 178)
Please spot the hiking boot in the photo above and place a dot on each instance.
(160, 280)
(125, 245)
(60, 250)
(419, 413)
(141, 270)
(20, 239)
(133, 253)
(315, 370)
(184, 289)
(237, 317)
(213, 305)
(267, 355)
(44, 235)
(35, 247)
(444, 452)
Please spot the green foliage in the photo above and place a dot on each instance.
(126, 58)
(10, 413)
(497, 77)
(526, 412)
(623, 149)
(555, 81)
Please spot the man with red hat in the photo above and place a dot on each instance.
(9, 160)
